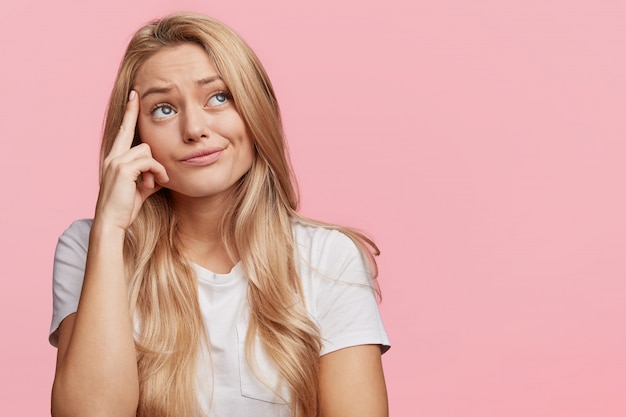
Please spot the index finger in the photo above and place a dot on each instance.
(124, 138)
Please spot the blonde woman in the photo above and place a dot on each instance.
(197, 289)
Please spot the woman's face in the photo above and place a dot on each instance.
(188, 118)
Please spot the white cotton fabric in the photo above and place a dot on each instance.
(338, 294)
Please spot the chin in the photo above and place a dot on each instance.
(204, 191)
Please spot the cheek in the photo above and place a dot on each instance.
(151, 135)
(248, 151)
(252, 153)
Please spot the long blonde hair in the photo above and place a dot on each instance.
(256, 228)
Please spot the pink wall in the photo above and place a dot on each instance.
(481, 143)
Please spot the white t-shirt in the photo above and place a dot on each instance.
(338, 294)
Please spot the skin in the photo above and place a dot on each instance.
(186, 107)
(352, 383)
(96, 370)
(180, 106)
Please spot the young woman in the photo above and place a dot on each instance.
(197, 289)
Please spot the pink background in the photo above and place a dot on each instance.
(481, 144)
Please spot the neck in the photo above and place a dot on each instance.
(199, 222)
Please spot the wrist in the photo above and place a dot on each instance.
(105, 231)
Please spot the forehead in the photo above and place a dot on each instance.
(188, 61)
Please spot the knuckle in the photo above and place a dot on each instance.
(108, 161)
(115, 165)
(145, 149)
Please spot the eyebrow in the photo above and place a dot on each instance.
(164, 90)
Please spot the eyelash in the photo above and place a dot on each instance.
(226, 94)
(160, 106)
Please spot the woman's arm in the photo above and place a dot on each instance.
(96, 372)
(352, 383)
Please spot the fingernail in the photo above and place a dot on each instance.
(132, 95)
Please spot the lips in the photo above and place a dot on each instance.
(202, 157)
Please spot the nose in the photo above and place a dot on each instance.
(195, 125)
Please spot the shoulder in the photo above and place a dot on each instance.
(74, 241)
(329, 253)
(322, 238)
(338, 289)
(68, 271)
(78, 230)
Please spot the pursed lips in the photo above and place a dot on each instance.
(202, 156)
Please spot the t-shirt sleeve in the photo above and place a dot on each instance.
(68, 272)
(346, 306)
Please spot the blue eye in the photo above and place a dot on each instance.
(162, 111)
(218, 99)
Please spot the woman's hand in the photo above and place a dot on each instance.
(129, 174)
